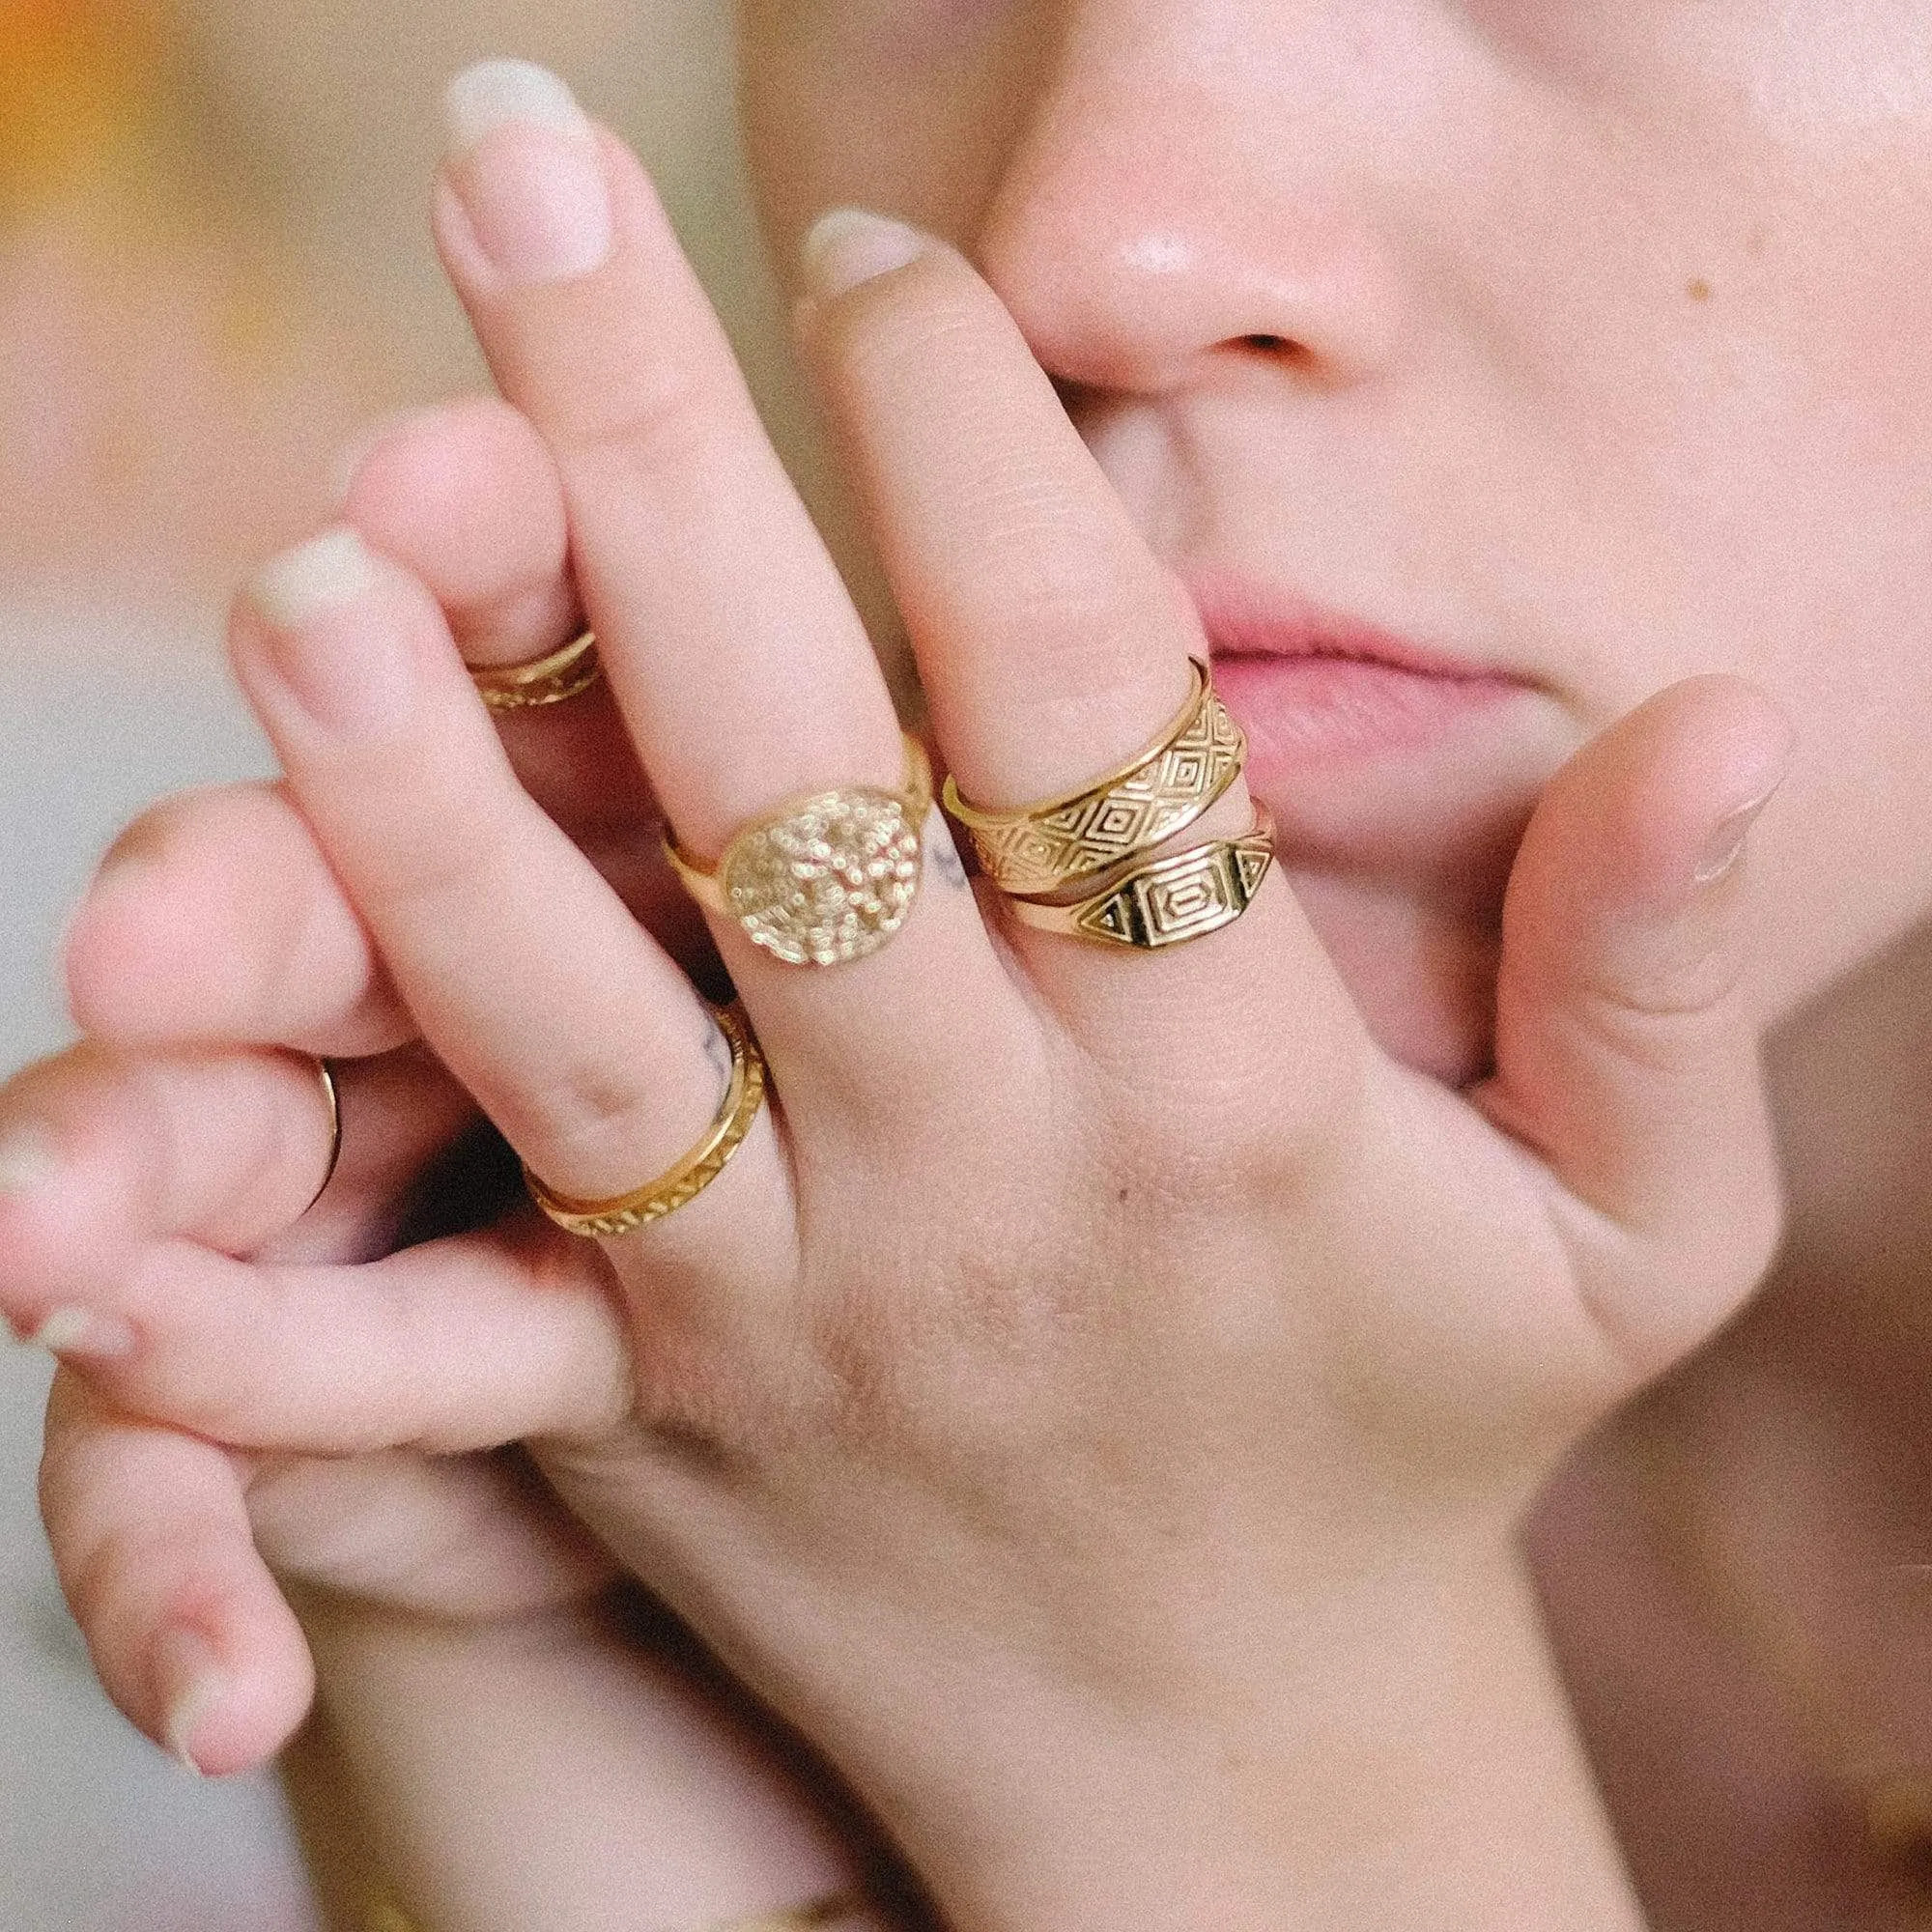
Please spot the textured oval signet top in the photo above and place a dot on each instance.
(826, 879)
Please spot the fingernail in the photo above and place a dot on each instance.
(1727, 843)
(524, 160)
(192, 1683)
(350, 675)
(27, 1159)
(849, 246)
(77, 1333)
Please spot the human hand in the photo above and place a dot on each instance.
(1074, 1279)
(185, 1135)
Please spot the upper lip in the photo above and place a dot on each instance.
(1246, 619)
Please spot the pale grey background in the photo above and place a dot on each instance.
(99, 1831)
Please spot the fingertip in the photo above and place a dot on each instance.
(466, 496)
(226, 1702)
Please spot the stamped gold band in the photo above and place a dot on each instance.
(1075, 841)
(383, 1915)
(547, 680)
(694, 1173)
(823, 879)
(1182, 897)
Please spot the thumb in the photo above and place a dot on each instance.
(1627, 1051)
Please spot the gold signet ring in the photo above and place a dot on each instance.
(1173, 901)
(544, 680)
(825, 879)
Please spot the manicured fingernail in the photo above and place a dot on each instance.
(75, 1332)
(524, 160)
(350, 676)
(849, 246)
(192, 1683)
(1727, 843)
(27, 1158)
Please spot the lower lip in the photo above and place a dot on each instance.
(1298, 711)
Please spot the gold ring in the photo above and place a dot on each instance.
(833, 1910)
(544, 680)
(825, 879)
(332, 1094)
(383, 1915)
(1078, 838)
(1182, 897)
(694, 1173)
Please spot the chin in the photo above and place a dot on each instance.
(1423, 977)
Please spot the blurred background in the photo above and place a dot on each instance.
(214, 270)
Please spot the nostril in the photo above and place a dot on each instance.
(1273, 345)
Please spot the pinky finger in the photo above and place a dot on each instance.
(190, 1633)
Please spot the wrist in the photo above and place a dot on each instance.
(1404, 1756)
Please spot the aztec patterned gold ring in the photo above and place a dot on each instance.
(683, 1183)
(543, 680)
(825, 879)
(1076, 840)
(1173, 901)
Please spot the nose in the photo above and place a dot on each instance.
(1177, 208)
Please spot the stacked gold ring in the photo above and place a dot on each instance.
(546, 680)
(1078, 838)
(677, 1186)
(824, 879)
(1103, 841)
(1170, 901)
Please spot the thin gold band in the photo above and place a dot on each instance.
(694, 1173)
(825, 879)
(383, 1915)
(833, 1910)
(1169, 902)
(544, 680)
(1077, 838)
(332, 1094)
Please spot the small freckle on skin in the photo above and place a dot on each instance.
(1700, 291)
(1123, 1197)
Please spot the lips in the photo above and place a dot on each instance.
(1313, 689)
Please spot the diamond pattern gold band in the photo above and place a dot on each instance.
(1169, 902)
(548, 680)
(694, 1173)
(1075, 839)
(826, 879)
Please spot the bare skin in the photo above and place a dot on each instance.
(1780, 632)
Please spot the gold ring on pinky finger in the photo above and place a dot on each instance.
(694, 1173)
(1169, 902)
(831, 1911)
(544, 680)
(383, 1915)
(1078, 838)
(826, 879)
(332, 1094)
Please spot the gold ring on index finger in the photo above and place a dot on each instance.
(1079, 838)
(546, 680)
(825, 879)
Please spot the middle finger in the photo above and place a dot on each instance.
(741, 665)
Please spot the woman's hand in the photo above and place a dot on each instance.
(1095, 1403)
